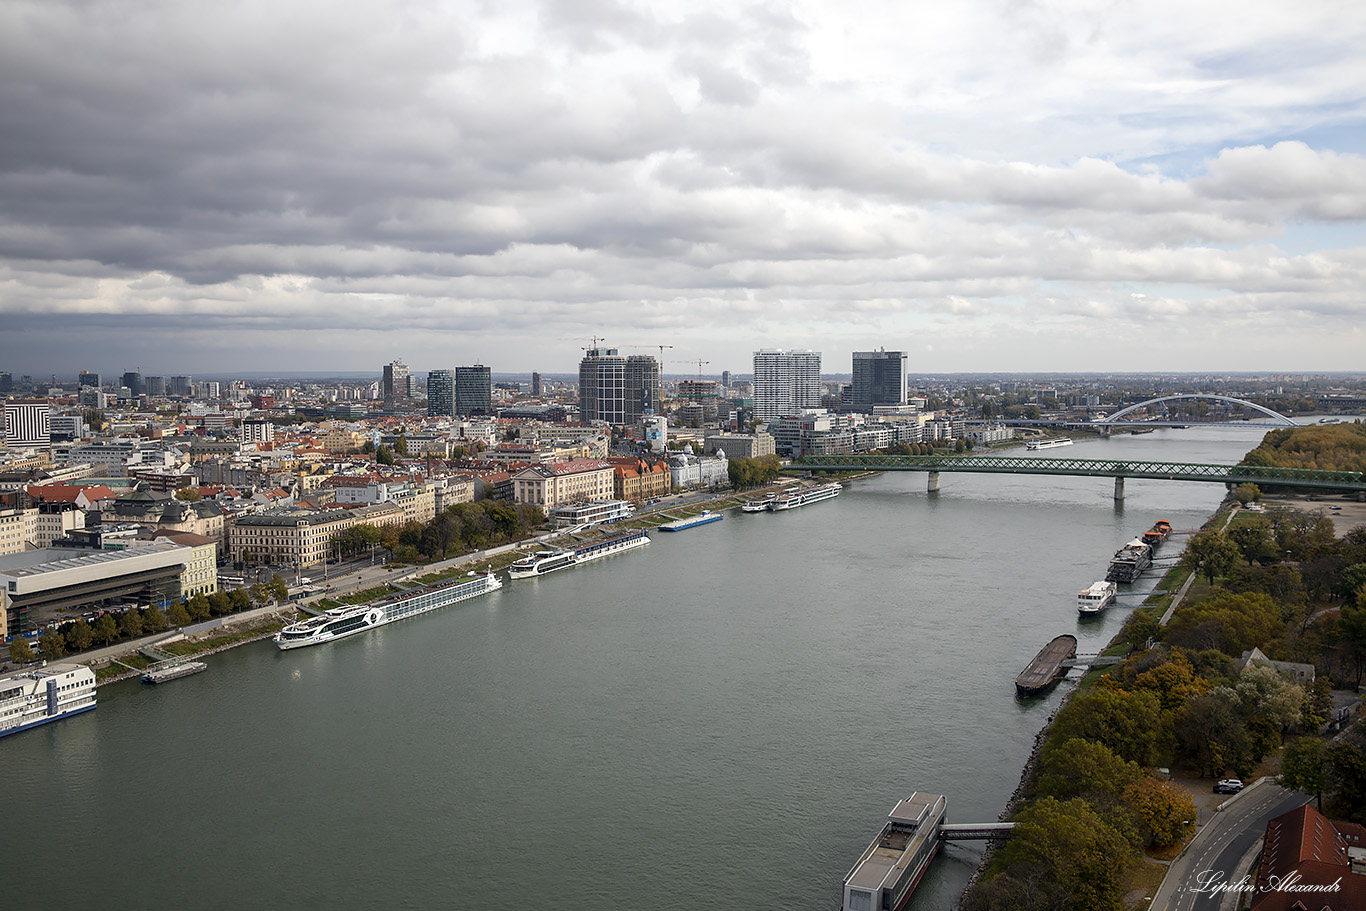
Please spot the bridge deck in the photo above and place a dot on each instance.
(1095, 468)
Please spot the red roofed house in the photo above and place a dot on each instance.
(1311, 863)
(575, 481)
(639, 479)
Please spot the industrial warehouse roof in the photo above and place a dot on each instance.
(56, 559)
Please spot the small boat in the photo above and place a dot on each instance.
(1047, 444)
(702, 518)
(757, 505)
(1099, 596)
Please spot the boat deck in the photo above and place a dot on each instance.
(1047, 665)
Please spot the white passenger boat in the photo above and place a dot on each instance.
(1099, 596)
(1048, 444)
(547, 561)
(795, 498)
(892, 866)
(757, 505)
(347, 621)
(33, 697)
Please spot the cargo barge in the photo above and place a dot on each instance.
(1046, 669)
(893, 865)
(173, 671)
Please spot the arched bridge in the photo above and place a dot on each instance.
(1119, 469)
(1118, 416)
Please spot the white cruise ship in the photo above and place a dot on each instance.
(346, 621)
(1096, 598)
(547, 561)
(33, 697)
(795, 498)
(1048, 444)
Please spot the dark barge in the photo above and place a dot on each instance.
(1046, 669)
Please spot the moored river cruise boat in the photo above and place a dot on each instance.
(893, 865)
(547, 561)
(47, 693)
(806, 495)
(341, 622)
(1095, 599)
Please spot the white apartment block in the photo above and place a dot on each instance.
(785, 382)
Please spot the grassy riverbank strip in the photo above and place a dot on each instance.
(122, 667)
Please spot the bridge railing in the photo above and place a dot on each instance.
(1113, 468)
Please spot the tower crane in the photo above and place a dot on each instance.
(699, 362)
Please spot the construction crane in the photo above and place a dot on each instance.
(699, 362)
(660, 347)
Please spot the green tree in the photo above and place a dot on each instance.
(51, 645)
(1139, 629)
(78, 636)
(401, 446)
(1166, 813)
(278, 588)
(258, 594)
(1077, 768)
(130, 624)
(179, 616)
(1173, 682)
(1352, 634)
(1346, 762)
(1254, 540)
(1247, 493)
(154, 620)
(1318, 704)
(105, 629)
(383, 456)
(1304, 767)
(368, 447)
(1211, 732)
(1077, 849)
(1130, 724)
(235, 600)
(20, 652)
(1210, 552)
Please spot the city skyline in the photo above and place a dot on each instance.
(990, 186)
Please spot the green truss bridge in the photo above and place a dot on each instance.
(1119, 469)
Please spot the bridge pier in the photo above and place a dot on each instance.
(934, 482)
(1119, 489)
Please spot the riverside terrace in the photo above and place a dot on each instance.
(1119, 469)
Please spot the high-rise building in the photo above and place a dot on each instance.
(536, 385)
(441, 393)
(88, 379)
(879, 378)
(154, 385)
(133, 380)
(396, 386)
(473, 390)
(28, 424)
(725, 379)
(6, 383)
(180, 385)
(643, 391)
(602, 386)
(785, 382)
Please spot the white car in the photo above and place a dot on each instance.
(1228, 786)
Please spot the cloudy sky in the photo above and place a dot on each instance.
(991, 185)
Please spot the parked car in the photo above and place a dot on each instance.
(1228, 786)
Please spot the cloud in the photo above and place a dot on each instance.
(503, 176)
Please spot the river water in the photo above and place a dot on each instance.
(720, 720)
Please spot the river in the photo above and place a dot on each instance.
(720, 720)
